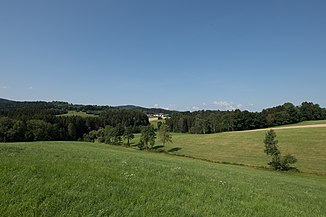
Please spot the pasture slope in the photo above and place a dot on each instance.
(307, 143)
(89, 179)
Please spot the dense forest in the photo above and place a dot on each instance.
(204, 122)
(36, 121)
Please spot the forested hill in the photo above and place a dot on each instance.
(59, 107)
(39, 121)
(201, 122)
(147, 110)
(5, 101)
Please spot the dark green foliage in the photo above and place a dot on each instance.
(283, 163)
(163, 134)
(113, 135)
(11, 130)
(147, 110)
(72, 133)
(203, 122)
(159, 124)
(310, 111)
(124, 117)
(147, 138)
(271, 147)
(128, 135)
(91, 136)
(110, 135)
(286, 161)
(101, 135)
(278, 162)
(39, 130)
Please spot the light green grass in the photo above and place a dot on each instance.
(305, 123)
(154, 121)
(75, 113)
(308, 145)
(87, 179)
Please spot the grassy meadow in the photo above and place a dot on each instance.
(305, 123)
(76, 113)
(90, 179)
(307, 144)
(155, 120)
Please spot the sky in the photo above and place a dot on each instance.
(175, 54)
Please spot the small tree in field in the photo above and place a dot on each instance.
(128, 135)
(271, 149)
(147, 137)
(163, 134)
(159, 124)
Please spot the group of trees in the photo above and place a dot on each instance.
(12, 130)
(116, 135)
(204, 122)
(148, 136)
(110, 135)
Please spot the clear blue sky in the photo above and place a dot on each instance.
(183, 55)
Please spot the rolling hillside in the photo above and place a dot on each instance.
(89, 179)
(247, 147)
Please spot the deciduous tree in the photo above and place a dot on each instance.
(147, 137)
(128, 135)
(163, 134)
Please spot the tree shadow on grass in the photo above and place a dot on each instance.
(133, 144)
(174, 149)
(158, 147)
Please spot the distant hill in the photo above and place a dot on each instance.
(64, 107)
(146, 110)
(6, 101)
(7, 104)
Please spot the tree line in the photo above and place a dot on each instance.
(205, 122)
(36, 121)
(59, 107)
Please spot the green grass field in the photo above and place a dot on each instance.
(308, 145)
(75, 113)
(154, 121)
(305, 123)
(89, 179)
